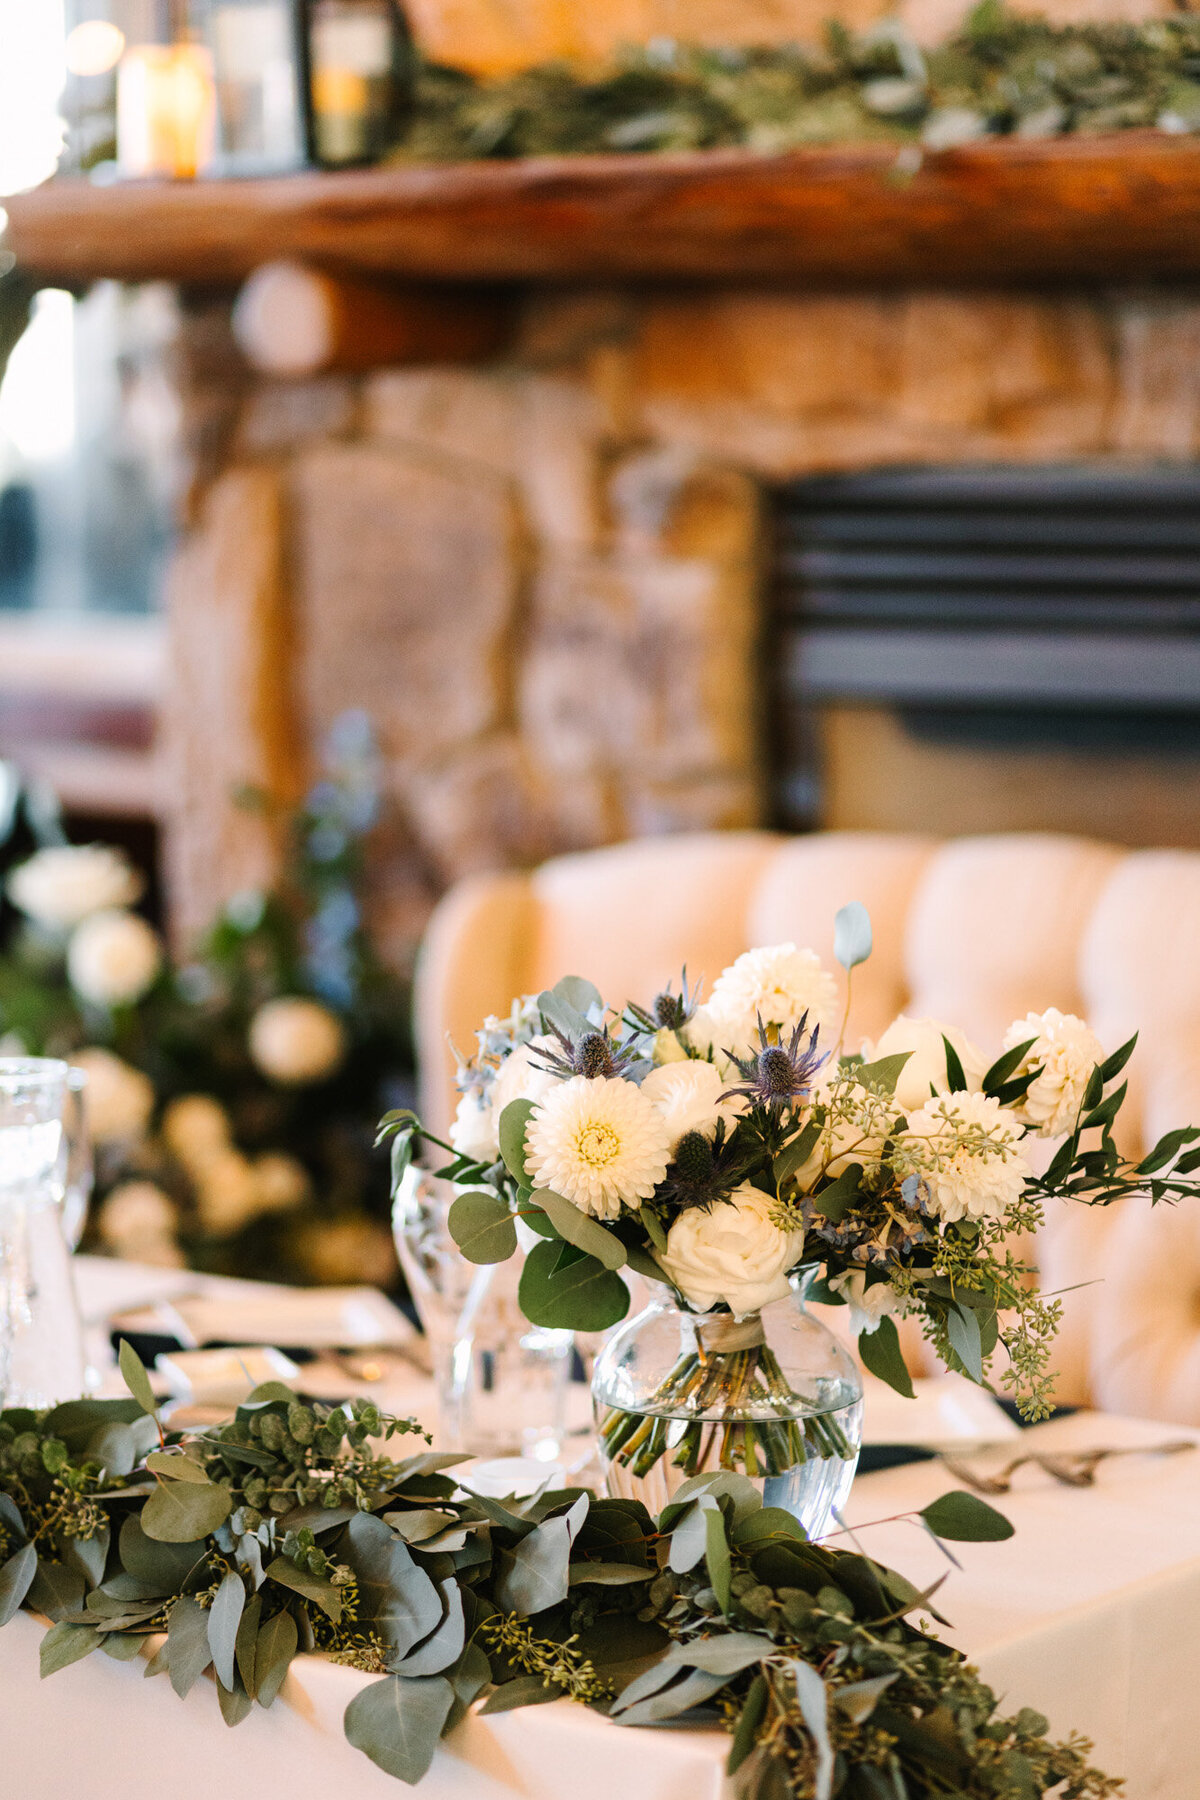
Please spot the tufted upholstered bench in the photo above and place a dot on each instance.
(974, 930)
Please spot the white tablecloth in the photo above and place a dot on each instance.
(1087, 1614)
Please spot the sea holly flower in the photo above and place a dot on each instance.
(593, 1055)
(780, 1073)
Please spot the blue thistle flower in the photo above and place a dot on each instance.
(779, 1072)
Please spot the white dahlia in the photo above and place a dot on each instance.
(1065, 1052)
(779, 985)
(687, 1095)
(600, 1144)
(968, 1155)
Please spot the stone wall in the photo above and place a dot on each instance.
(542, 577)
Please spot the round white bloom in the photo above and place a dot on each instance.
(688, 1097)
(113, 958)
(281, 1182)
(667, 1048)
(227, 1193)
(926, 1065)
(118, 1099)
(473, 1132)
(869, 1306)
(1066, 1051)
(521, 1078)
(61, 886)
(196, 1129)
(966, 1176)
(732, 1252)
(779, 985)
(296, 1041)
(138, 1221)
(600, 1144)
(842, 1140)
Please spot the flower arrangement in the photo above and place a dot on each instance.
(721, 1148)
(296, 1528)
(231, 1098)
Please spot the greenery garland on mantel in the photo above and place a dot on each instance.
(1000, 75)
(286, 1530)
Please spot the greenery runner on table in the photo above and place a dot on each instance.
(286, 1530)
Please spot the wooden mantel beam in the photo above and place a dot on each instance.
(1007, 211)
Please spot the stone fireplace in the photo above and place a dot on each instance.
(543, 577)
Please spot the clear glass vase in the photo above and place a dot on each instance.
(773, 1396)
(41, 1337)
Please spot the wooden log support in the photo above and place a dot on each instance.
(293, 320)
(1007, 212)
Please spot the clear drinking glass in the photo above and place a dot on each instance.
(502, 1382)
(41, 1336)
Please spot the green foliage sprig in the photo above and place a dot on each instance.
(296, 1527)
(1000, 74)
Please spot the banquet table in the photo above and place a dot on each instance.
(1088, 1614)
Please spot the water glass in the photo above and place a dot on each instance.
(502, 1382)
(41, 1336)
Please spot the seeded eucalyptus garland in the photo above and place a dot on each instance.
(300, 1528)
(1001, 74)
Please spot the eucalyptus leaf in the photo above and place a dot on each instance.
(689, 1537)
(65, 1644)
(482, 1226)
(246, 1643)
(55, 1589)
(852, 935)
(447, 1643)
(669, 1702)
(115, 1448)
(179, 1512)
(884, 1072)
(726, 1655)
(879, 1351)
(607, 1574)
(397, 1723)
(577, 1228)
(814, 1704)
(582, 1297)
(525, 1690)
(857, 1698)
(965, 1518)
(311, 1587)
(535, 1575)
(751, 1717)
(163, 1567)
(235, 1702)
(716, 1556)
(224, 1617)
(396, 1596)
(176, 1467)
(16, 1577)
(133, 1373)
(10, 1517)
(510, 1132)
(273, 1652)
(962, 1328)
(188, 1652)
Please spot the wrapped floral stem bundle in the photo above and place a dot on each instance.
(739, 1156)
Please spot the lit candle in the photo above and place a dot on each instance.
(165, 109)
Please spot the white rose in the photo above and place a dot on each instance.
(730, 1252)
(688, 1097)
(1066, 1051)
(138, 1221)
(118, 1099)
(473, 1132)
(926, 1065)
(869, 1306)
(971, 1165)
(63, 885)
(521, 1078)
(778, 984)
(295, 1041)
(113, 958)
(196, 1129)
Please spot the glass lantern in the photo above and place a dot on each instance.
(257, 51)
